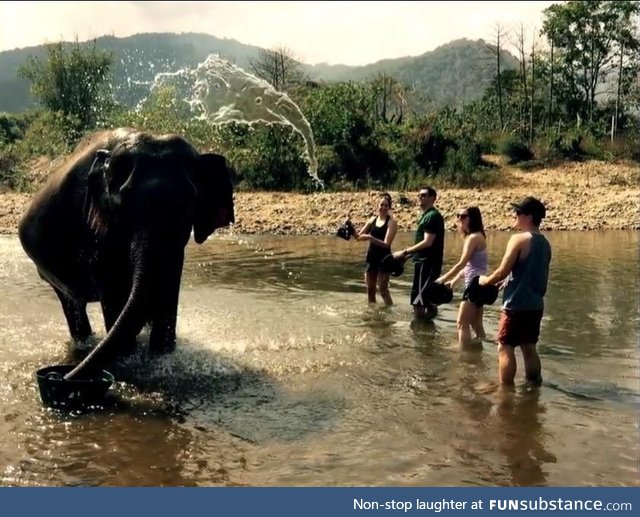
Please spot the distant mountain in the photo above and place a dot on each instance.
(459, 70)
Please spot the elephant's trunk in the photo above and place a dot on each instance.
(131, 319)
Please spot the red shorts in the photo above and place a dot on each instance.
(519, 327)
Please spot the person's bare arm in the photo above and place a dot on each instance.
(388, 238)
(470, 245)
(508, 260)
(425, 243)
(365, 229)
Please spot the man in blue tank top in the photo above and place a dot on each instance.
(525, 271)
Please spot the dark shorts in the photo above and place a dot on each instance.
(373, 267)
(423, 274)
(374, 260)
(465, 298)
(519, 327)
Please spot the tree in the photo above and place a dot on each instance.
(589, 35)
(279, 67)
(388, 94)
(497, 50)
(72, 80)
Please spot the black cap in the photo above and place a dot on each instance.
(531, 206)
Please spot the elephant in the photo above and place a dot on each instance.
(111, 225)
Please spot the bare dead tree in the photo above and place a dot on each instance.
(523, 80)
(496, 48)
(279, 67)
(533, 86)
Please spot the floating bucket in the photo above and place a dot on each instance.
(59, 393)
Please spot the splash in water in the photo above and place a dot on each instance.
(220, 92)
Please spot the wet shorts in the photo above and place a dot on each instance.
(422, 276)
(519, 327)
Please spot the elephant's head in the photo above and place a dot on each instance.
(144, 196)
(147, 183)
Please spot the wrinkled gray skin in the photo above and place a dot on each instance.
(111, 225)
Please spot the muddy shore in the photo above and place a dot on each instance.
(579, 196)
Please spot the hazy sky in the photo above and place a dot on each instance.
(352, 33)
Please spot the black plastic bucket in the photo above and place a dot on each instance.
(57, 392)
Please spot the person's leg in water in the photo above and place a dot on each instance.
(370, 279)
(383, 285)
(477, 323)
(506, 364)
(532, 366)
(426, 312)
(463, 323)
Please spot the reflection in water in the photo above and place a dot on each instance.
(520, 431)
(284, 375)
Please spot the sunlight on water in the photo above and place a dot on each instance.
(220, 92)
(295, 380)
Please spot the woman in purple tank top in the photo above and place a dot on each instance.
(472, 262)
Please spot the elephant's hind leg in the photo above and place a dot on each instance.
(76, 314)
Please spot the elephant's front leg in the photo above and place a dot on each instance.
(76, 314)
(165, 305)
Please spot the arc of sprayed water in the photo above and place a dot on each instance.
(220, 92)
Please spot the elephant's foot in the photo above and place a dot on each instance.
(128, 348)
(84, 344)
(163, 338)
(163, 347)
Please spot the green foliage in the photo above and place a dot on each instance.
(462, 165)
(385, 128)
(10, 173)
(73, 81)
(515, 149)
(589, 35)
(272, 161)
(45, 136)
(12, 127)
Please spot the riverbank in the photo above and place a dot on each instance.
(579, 196)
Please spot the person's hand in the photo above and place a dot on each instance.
(483, 280)
(364, 237)
(438, 280)
(398, 255)
(449, 284)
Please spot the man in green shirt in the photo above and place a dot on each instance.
(427, 251)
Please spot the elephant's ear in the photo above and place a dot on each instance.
(96, 197)
(214, 201)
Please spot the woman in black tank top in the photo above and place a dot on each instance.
(379, 230)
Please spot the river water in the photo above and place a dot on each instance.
(285, 376)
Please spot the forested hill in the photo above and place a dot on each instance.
(455, 72)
